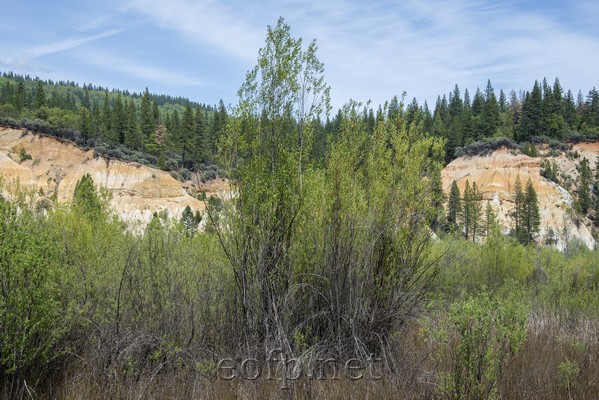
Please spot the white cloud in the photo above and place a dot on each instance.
(225, 28)
(137, 69)
(24, 57)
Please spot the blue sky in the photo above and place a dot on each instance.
(372, 50)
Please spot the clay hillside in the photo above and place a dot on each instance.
(55, 166)
(138, 191)
(495, 175)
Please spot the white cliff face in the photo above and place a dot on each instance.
(138, 191)
(495, 176)
(55, 167)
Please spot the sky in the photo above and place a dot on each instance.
(372, 50)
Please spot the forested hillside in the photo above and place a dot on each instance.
(169, 132)
(175, 131)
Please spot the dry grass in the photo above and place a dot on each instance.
(537, 372)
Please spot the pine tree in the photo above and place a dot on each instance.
(532, 114)
(472, 207)
(20, 98)
(455, 104)
(569, 110)
(186, 138)
(147, 120)
(478, 103)
(190, 221)
(6, 94)
(86, 200)
(201, 135)
(394, 109)
(584, 181)
(519, 204)
(490, 219)
(468, 131)
(85, 124)
(490, 113)
(219, 124)
(466, 209)
(107, 119)
(591, 116)
(532, 217)
(475, 210)
(119, 121)
(133, 134)
(502, 102)
(85, 102)
(454, 207)
(96, 119)
(40, 95)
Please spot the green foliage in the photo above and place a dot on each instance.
(190, 221)
(472, 207)
(454, 207)
(531, 218)
(23, 155)
(87, 201)
(485, 146)
(583, 190)
(32, 312)
(266, 149)
(550, 170)
(475, 342)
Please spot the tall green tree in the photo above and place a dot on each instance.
(531, 219)
(489, 121)
(148, 121)
(583, 190)
(133, 132)
(87, 201)
(279, 101)
(119, 121)
(454, 207)
(519, 206)
(40, 95)
(219, 124)
(186, 140)
(20, 97)
(107, 131)
(200, 135)
(85, 124)
(591, 112)
(472, 207)
(531, 123)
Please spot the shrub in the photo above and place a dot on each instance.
(474, 342)
(485, 146)
(185, 174)
(208, 175)
(23, 155)
(172, 164)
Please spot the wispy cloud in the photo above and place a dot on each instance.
(23, 57)
(225, 28)
(138, 69)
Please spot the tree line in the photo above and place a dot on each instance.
(160, 125)
(174, 132)
(465, 213)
